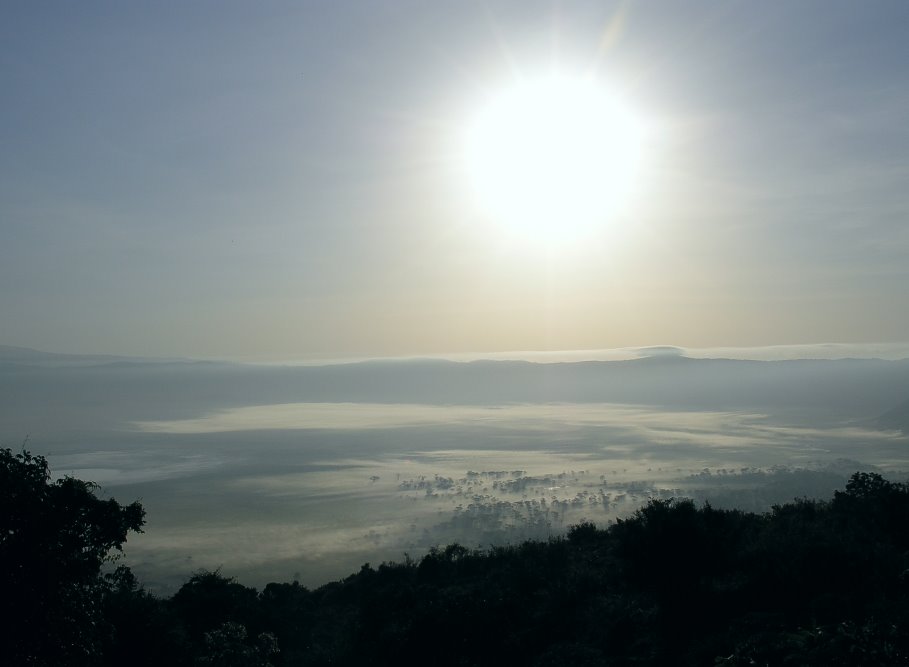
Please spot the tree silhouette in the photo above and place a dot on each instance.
(54, 537)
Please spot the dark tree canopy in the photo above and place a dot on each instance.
(813, 583)
(54, 538)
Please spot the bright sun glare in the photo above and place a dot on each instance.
(553, 158)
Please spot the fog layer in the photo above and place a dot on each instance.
(281, 472)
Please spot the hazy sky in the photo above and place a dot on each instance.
(277, 180)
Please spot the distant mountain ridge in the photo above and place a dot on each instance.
(27, 356)
(92, 386)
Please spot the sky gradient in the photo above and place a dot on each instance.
(281, 180)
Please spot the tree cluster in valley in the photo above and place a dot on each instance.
(812, 582)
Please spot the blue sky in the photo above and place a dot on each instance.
(279, 180)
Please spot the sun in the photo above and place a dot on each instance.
(553, 158)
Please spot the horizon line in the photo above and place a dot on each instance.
(889, 351)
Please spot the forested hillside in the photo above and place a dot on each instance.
(814, 582)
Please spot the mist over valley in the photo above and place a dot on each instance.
(279, 472)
